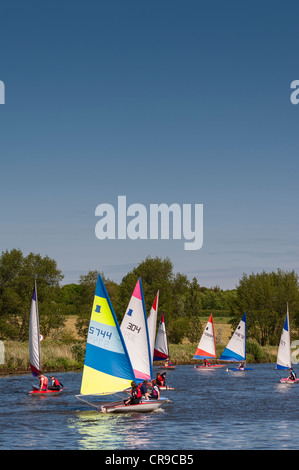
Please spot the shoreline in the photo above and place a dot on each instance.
(59, 357)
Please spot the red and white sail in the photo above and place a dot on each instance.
(206, 348)
(152, 324)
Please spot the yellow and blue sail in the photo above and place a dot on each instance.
(107, 366)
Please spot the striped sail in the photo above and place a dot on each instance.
(236, 349)
(34, 336)
(152, 324)
(135, 333)
(107, 366)
(284, 349)
(206, 348)
(161, 344)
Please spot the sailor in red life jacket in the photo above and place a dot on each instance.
(43, 382)
(159, 380)
(56, 385)
(135, 395)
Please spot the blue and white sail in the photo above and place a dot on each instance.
(284, 349)
(235, 350)
(34, 336)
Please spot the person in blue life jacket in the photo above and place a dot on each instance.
(155, 393)
(135, 395)
(292, 375)
(143, 387)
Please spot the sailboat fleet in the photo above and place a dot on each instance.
(118, 356)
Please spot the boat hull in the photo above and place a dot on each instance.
(145, 406)
(45, 392)
(289, 381)
(210, 367)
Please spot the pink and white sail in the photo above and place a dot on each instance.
(135, 333)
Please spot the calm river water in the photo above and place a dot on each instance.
(211, 410)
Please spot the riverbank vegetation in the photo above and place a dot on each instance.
(64, 309)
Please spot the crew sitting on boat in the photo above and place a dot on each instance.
(143, 387)
(135, 395)
(159, 380)
(155, 393)
(292, 375)
(43, 382)
(55, 384)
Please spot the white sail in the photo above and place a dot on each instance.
(152, 324)
(34, 336)
(284, 349)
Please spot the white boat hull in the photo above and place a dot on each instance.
(144, 406)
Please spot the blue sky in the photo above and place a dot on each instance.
(164, 102)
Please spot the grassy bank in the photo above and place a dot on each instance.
(70, 357)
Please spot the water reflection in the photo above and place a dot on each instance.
(208, 411)
(110, 431)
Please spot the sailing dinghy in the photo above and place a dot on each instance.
(283, 361)
(206, 348)
(35, 339)
(107, 367)
(235, 350)
(161, 349)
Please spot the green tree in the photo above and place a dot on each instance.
(17, 275)
(156, 274)
(264, 296)
(193, 303)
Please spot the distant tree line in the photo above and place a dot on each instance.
(263, 296)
